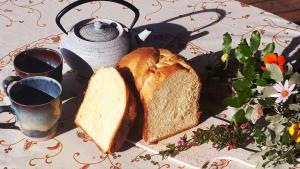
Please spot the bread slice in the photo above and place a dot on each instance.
(169, 89)
(107, 111)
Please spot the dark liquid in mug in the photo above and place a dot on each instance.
(27, 95)
(34, 65)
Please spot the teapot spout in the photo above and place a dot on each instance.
(142, 36)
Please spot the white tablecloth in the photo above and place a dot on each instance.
(193, 28)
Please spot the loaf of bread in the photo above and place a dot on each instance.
(107, 111)
(169, 90)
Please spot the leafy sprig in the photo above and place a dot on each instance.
(220, 136)
(259, 117)
(253, 88)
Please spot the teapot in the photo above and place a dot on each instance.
(94, 43)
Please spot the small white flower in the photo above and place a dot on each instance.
(284, 91)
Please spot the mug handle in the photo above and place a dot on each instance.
(79, 2)
(8, 125)
(7, 81)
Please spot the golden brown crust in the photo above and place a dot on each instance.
(149, 68)
(137, 127)
(125, 126)
(155, 79)
(139, 62)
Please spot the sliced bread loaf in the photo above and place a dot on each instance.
(107, 111)
(169, 89)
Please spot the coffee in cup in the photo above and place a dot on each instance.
(39, 62)
(36, 103)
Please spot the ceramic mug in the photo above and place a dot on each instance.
(39, 62)
(36, 103)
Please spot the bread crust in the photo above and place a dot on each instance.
(126, 124)
(129, 115)
(150, 68)
(139, 62)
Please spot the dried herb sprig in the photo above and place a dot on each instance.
(221, 136)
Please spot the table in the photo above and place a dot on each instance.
(194, 28)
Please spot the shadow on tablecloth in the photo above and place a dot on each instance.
(292, 53)
(73, 90)
(173, 36)
(214, 89)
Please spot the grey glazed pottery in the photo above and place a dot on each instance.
(94, 43)
(36, 103)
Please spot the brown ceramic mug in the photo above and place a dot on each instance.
(39, 62)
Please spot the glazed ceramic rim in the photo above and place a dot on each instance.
(40, 73)
(37, 77)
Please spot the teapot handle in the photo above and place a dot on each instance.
(79, 2)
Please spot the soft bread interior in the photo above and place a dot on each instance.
(173, 106)
(103, 107)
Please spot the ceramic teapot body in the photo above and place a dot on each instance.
(94, 43)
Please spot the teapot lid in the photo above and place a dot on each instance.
(98, 31)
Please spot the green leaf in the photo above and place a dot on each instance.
(238, 117)
(286, 140)
(295, 78)
(239, 74)
(249, 69)
(244, 95)
(232, 102)
(270, 140)
(268, 91)
(171, 146)
(260, 137)
(289, 69)
(279, 128)
(226, 43)
(261, 82)
(275, 71)
(249, 112)
(255, 41)
(267, 102)
(291, 159)
(244, 42)
(243, 51)
(239, 100)
(268, 49)
(275, 118)
(241, 85)
(266, 75)
(295, 107)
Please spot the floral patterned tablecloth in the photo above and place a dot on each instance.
(193, 28)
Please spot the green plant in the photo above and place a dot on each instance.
(266, 95)
(266, 104)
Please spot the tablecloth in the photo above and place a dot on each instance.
(193, 28)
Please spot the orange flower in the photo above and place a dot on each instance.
(272, 58)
